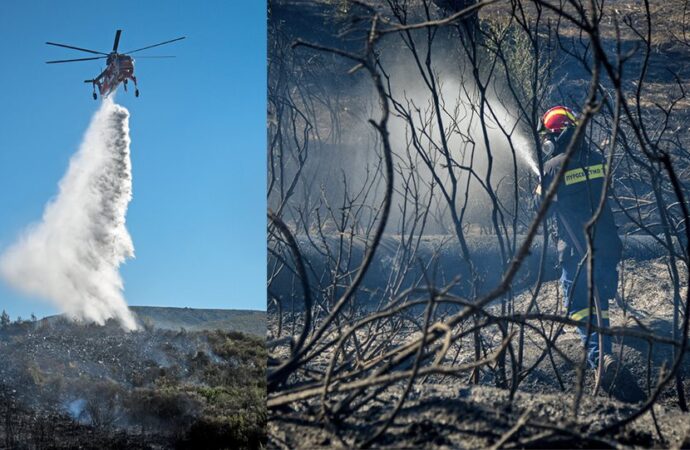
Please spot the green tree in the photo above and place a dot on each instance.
(4, 319)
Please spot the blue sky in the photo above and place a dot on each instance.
(197, 218)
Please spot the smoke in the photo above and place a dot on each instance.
(492, 141)
(72, 256)
(487, 170)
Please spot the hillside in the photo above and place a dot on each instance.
(196, 319)
(193, 319)
(70, 385)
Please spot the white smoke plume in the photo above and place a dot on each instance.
(71, 257)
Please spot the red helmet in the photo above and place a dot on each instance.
(556, 119)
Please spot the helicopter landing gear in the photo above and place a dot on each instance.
(136, 88)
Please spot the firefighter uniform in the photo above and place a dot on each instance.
(576, 201)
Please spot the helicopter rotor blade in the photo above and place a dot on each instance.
(77, 48)
(74, 60)
(139, 57)
(155, 45)
(117, 40)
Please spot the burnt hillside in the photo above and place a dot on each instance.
(69, 384)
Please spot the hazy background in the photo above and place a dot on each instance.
(197, 217)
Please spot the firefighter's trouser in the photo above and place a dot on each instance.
(576, 299)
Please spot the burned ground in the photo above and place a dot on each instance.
(67, 385)
(411, 299)
(452, 412)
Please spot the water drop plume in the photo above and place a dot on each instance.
(72, 256)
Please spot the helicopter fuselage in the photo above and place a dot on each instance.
(120, 69)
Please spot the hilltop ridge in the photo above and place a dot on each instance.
(197, 319)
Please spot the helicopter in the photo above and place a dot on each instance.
(119, 66)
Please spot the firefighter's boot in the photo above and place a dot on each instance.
(619, 382)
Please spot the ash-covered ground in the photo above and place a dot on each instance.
(368, 375)
(451, 411)
(70, 385)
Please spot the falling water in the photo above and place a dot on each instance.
(72, 256)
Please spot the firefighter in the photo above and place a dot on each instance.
(575, 203)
